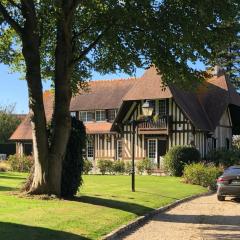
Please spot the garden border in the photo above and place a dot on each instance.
(140, 221)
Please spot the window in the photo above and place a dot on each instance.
(90, 149)
(152, 149)
(101, 115)
(119, 149)
(112, 114)
(73, 114)
(162, 107)
(86, 116)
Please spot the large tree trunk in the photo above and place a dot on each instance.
(31, 43)
(61, 117)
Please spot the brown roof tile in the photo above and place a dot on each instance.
(105, 94)
(149, 86)
(95, 127)
(24, 130)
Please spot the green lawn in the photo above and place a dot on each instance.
(104, 203)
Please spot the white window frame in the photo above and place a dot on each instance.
(86, 117)
(87, 150)
(119, 156)
(101, 115)
(156, 149)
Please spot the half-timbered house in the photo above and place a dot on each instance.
(205, 118)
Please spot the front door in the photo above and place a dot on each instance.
(162, 149)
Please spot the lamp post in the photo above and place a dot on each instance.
(147, 110)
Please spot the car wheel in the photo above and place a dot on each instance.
(220, 198)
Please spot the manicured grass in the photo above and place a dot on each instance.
(104, 203)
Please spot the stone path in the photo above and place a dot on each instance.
(201, 218)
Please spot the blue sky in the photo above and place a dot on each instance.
(14, 91)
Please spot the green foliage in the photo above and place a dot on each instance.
(236, 142)
(128, 167)
(105, 166)
(178, 156)
(224, 157)
(145, 165)
(201, 174)
(87, 166)
(119, 167)
(8, 122)
(4, 167)
(113, 36)
(20, 163)
(73, 162)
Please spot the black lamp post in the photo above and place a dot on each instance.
(147, 110)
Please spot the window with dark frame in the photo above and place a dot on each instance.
(112, 114)
(162, 107)
(119, 149)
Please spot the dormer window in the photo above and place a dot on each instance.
(112, 113)
(100, 115)
(86, 116)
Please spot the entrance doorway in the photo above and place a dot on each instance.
(156, 150)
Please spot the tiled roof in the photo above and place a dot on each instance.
(98, 127)
(105, 94)
(149, 86)
(204, 108)
(24, 130)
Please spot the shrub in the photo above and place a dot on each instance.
(87, 166)
(201, 174)
(178, 156)
(128, 167)
(145, 165)
(4, 167)
(20, 163)
(105, 166)
(140, 167)
(73, 161)
(119, 167)
(224, 157)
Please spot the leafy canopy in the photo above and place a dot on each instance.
(8, 122)
(110, 36)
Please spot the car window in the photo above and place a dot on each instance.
(232, 171)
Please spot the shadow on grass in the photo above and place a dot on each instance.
(3, 188)
(12, 177)
(14, 231)
(124, 206)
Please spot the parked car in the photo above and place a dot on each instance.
(229, 183)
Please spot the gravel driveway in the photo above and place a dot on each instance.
(201, 218)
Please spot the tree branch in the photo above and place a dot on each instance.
(90, 46)
(10, 20)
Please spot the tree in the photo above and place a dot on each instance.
(229, 58)
(8, 122)
(64, 40)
